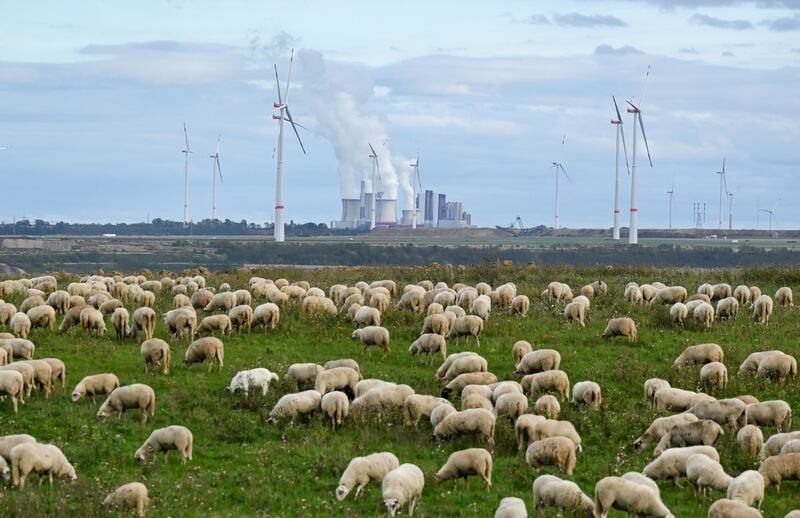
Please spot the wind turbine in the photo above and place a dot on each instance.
(730, 210)
(620, 136)
(415, 165)
(771, 214)
(633, 232)
(559, 169)
(216, 170)
(723, 190)
(285, 114)
(375, 166)
(186, 153)
(671, 192)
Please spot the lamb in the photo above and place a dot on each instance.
(511, 405)
(633, 294)
(628, 496)
(555, 428)
(133, 496)
(551, 491)
(623, 326)
(442, 370)
(44, 459)
(402, 485)
(202, 349)
(777, 366)
(367, 316)
(373, 335)
(660, 427)
(95, 384)
(144, 320)
(378, 400)
(92, 321)
(165, 439)
(361, 470)
(762, 309)
(669, 295)
(482, 307)
(120, 319)
(469, 378)
(784, 297)
(294, 404)
(704, 474)
(776, 441)
(20, 325)
(520, 349)
(121, 399)
(417, 406)
(470, 325)
(547, 381)
(520, 305)
(464, 365)
(577, 312)
(780, 467)
(651, 386)
(727, 308)
(12, 384)
(694, 433)
(678, 313)
(724, 508)
(547, 406)
(751, 440)
(225, 301)
(213, 323)
(302, 374)
(770, 413)
(704, 314)
(241, 318)
(267, 315)
(256, 378)
(728, 412)
(539, 360)
(474, 420)
(156, 353)
(713, 375)
(429, 343)
(747, 488)
(672, 463)
(511, 507)
(587, 393)
(337, 378)
(552, 451)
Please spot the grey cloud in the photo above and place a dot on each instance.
(669, 5)
(538, 19)
(584, 20)
(783, 24)
(727, 54)
(608, 50)
(719, 23)
(690, 50)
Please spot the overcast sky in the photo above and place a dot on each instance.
(93, 96)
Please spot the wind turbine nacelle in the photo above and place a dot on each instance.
(632, 110)
(276, 117)
(616, 122)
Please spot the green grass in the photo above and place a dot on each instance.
(244, 466)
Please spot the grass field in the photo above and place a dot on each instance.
(244, 466)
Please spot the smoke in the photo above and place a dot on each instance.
(405, 171)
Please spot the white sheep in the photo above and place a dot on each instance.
(20, 348)
(482, 307)
(267, 315)
(704, 314)
(336, 406)
(751, 440)
(470, 325)
(95, 384)
(762, 309)
(575, 311)
(43, 374)
(724, 508)
(20, 325)
(292, 405)
(777, 366)
(678, 313)
(678, 400)
(120, 319)
(747, 488)
(144, 320)
(28, 373)
(552, 451)
(539, 360)
(727, 308)
(137, 395)
(224, 301)
(511, 507)
(653, 385)
(506, 387)
(694, 433)
(202, 349)
(376, 401)
(302, 374)
(440, 412)
(477, 401)
(726, 412)
(373, 335)
(7, 443)
(417, 406)
(241, 318)
(565, 495)
(622, 326)
(468, 378)
(776, 413)
(776, 441)
(361, 470)
(780, 467)
(638, 478)
(784, 297)
(587, 393)
(464, 463)
(511, 405)
(12, 384)
(402, 485)
(742, 294)
(792, 446)
(556, 428)
(429, 344)
(475, 420)
(633, 294)
(714, 375)
(547, 381)
(672, 463)
(520, 349)
(252, 378)
(629, 496)
(221, 323)
(706, 474)
(520, 305)
(442, 370)
(698, 355)
(156, 353)
(524, 428)
(173, 437)
(660, 427)
(547, 406)
(44, 459)
(133, 496)
(464, 365)
(337, 378)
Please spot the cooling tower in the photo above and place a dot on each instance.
(351, 209)
(386, 212)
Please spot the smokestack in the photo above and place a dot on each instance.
(386, 212)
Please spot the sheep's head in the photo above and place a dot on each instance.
(342, 492)
(103, 414)
(637, 445)
(76, 395)
(356, 334)
(6, 473)
(392, 505)
(274, 377)
(141, 454)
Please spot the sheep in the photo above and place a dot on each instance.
(256, 378)
(318, 306)
(464, 365)
(755, 292)
(241, 317)
(511, 405)
(181, 301)
(559, 292)
(429, 343)
(776, 441)
(302, 374)
(482, 307)
(380, 399)
(693, 304)
(660, 427)
(742, 294)
(225, 301)
(524, 428)
(600, 288)
(747, 399)
(120, 319)
(28, 374)
(727, 308)
(777, 366)
(144, 320)
(511, 507)
(520, 305)
(552, 451)
(202, 349)
(20, 325)
(577, 312)
(784, 297)
(651, 386)
(669, 295)
(156, 353)
(633, 294)
(267, 315)
(505, 387)
(698, 355)
(95, 384)
(725, 508)
(638, 478)
(678, 313)
(762, 309)
(469, 325)
(623, 326)
(412, 300)
(337, 378)
(7, 311)
(728, 412)
(31, 302)
(539, 360)
(704, 314)
(587, 291)
(587, 393)
(343, 362)
(780, 467)
(58, 371)
(776, 413)
(442, 370)
(703, 432)
(700, 297)
(547, 406)
(417, 406)
(436, 323)
(7, 443)
(434, 308)
(294, 404)
(146, 299)
(648, 292)
(122, 398)
(213, 323)
(440, 412)
(520, 349)
(547, 381)
(20, 348)
(361, 470)
(336, 406)
(477, 401)
(468, 378)
(44, 459)
(58, 300)
(200, 298)
(92, 320)
(713, 375)
(672, 463)
(792, 446)
(474, 420)
(751, 440)
(628, 496)
(12, 384)
(165, 439)
(43, 374)
(133, 495)
(751, 363)
(373, 335)
(402, 485)
(747, 488)
(555, 428)
(462, 464)
(704, 474)
(551, 491)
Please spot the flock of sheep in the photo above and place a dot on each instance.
(684, 440)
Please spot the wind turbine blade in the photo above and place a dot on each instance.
(289, 77)
(723, 164)
(644, 136)
(289, 115)
(372, 149)
(619, 117)
(565, 173)
(186, 137)
(219, 169)
(624, 146)
(278, 83)
(378, 169)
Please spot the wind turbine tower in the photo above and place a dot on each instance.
(216, 170)
(633, 232)
(723, 190)
(620, 136)
(186, 152)
(374, 156)
(670, 192)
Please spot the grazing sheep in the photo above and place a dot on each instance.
(724, 508)
(762, 309)
(660, 427)
(552, 451)
(575, 311)
(361, 470)
(511, 405)
(373, 335)
(31, 302)
(539, 360)
(95, 384)
(402, 485)
(623, 326)
(751, 440)
(714, 375)
(412, 300)
(200, 298)
(241, 318)
(376, 401)
(256, 378)
(213, 323)
(727, 308)
(434, 308)
(364, 385)
(633, 294)
(755, 292)
(367, 316)
(417, 406)
(742, 294)
(751, 363)
(776, 413)
(12, 384)
(520, 349)
(524, 428)
(7, 311)
(704, 432)
(565, 495)
(429, 344)
(181, 301)
(547, 406)
(747, 488)
(698, 355)
(44, 459)
(547, 381)
(302, 374)
(468, 378)
(587, 291)
(638, 478)
(477, 401)
(165, 439)
(651, 386)
(437, 323)
(7, 443)
(292, 405)
(704, 314)
(587, 393)
(505, 387)
(678, 313)
(337, 378)
(225, 301)
(343, 362)
(28, 374)
(156, 353)
(20, 348)
(20, 325)
(702, 297)
(784, 297)
(792, 446)
(146, 299)
(628, 496)
(120, 319)
(726, 412)
(780, 467)
(520, 305)
(144, 320)
(470, 325)
(442, 370)
(267, 315)
(92, 320)
(202, 349)
(777, 366)
(59, 300)
(133, 496)
(464, 463)
(669, 295)
(672, 463)
(775, 443)
(555, 428)
(121, 399)
(318, 306)
(464, 365)
(336, 406)
(440, 412)
(43, 374)
(482, 307)
(511, 507)
(559, 292)
(706, 474)
(474, 420)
